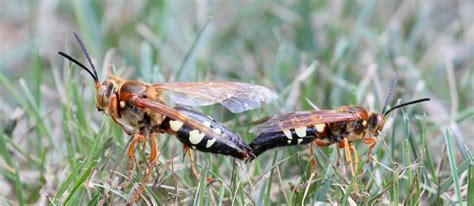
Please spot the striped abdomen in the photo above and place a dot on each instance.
(295, 136)
(229, 144)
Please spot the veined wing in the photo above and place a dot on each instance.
(235, 96)
(302, 118)
(176, 115)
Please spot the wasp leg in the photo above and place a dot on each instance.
(144, 145)
(356, 162)
(185, 151)
(114, 109)
(356, 158)
(189, 151)
(371, 141)
(137, 138)
(153, 155)
(319, 143)
(338, 157)
(151, 166)
(193, 166)
(344, 143)
(340, 146)
(313, 158)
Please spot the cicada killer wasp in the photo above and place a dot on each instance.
(341, 126)
(143, 111)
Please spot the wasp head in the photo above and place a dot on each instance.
(104, 89)
(375, 123)
(376, 120)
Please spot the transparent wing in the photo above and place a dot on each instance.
(303, 118)
(235, 96)
(176, 115)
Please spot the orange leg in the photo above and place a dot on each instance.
(356, 162)
(137, 138)
(347, 152)
(356, 158)
(313, 158)
(113, 110)
(193, 166)
(153, 155)
(319, 143)
(371, 141)
(151, 166)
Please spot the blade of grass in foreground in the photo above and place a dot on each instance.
(15, 178)
(470, 180)
(199, 196)
(352, 185)
(269, 183)
(25, 104)
(429, 163)
(18, 188)
(3, 150)
(190, 54)
(452, 164)
(88, 164)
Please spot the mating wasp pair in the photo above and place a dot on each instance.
(143, 111)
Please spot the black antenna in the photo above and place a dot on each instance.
(405, 104)
(79, 64)
(390, 93)
(84, 49)
(93, 73)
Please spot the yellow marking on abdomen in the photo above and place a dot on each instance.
(287, 133)
(175, 125)
(301, 131)
(320, 127)
(195, 136)
(210, 142)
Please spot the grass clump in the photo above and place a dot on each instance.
(55, 148)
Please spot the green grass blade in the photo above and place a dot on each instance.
(408, 173)
(452, 164)
(18, 186)
(470, 185)
(430, 164)
(81, 180)
(269, 182)
(4, 151)
(199, 196)
(221, 196)
(396, 187)
(191, 52)
(470, 179)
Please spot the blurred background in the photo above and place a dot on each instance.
(56, 148)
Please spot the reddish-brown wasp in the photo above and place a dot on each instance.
(343, 126)
(142, 110)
